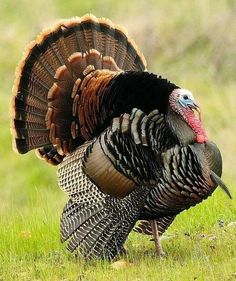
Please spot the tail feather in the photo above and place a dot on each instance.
(51, 65)
(49, 154)
(31, 90)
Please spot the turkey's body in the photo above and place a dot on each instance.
(150, 163)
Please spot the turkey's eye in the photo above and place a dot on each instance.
(185, 97)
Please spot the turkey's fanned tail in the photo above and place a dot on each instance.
(48, 80)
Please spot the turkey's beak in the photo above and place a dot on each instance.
(197, 108)
(194, 106)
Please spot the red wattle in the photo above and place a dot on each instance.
(196, 125)
(200, 139)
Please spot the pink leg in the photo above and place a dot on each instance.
(156, 237)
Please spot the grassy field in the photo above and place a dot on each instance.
(193, 44)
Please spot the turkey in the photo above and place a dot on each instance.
(130, 144)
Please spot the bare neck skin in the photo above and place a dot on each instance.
(180, 128)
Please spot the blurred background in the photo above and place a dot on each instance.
(192, 43)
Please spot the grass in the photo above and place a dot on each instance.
(198, 248)
(185, 41)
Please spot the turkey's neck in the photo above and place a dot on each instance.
(180, 128)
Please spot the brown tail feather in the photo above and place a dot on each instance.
(47, 78)
(49, 154)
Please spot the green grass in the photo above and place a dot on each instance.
(197, 246)
(191, 43)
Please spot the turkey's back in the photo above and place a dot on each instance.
(51, 104)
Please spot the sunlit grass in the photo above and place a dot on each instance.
(196, 244)
(186, 42)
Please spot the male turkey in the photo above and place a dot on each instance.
(76, 78)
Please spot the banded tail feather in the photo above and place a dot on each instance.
(49, 154)
(48, 81)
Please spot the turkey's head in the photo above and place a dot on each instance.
(183, 121)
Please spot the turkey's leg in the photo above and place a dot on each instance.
(157, 239)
